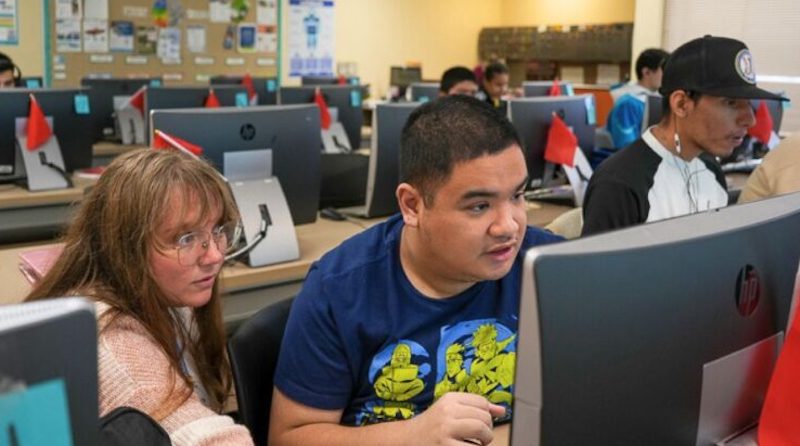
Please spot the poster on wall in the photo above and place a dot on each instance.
(267, 12)
(95, 36)
(68, 35)
(310, 39)
(68, 9)
(9, 22)
(121, 36)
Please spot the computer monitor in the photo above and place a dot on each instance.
(404, 76)
(73, 129)
(328, 80)
(346, 99)
(542, 88)
(291, 131)
(159, 98)
(424, 91)
(775, 110)
(30, 82)
(532, 117)
(384, 160)
(108, 94)
(266, 87)
(748, 155)
(653, 108)
(48, 375)
(400, 78)
(670, 335)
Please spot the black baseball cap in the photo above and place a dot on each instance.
(718, 66)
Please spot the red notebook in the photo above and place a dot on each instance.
(35, 263)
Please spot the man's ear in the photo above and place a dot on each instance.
(409, 198)
(680, 103)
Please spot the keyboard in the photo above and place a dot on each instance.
(563, 192)
(745, 166)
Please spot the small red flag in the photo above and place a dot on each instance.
(163, 140)
(778, 425)
(555, 89)
(561, 143)
(342, 80)
(137, 100)
(762, 130)
(38, 131)
(324, 113)
(211, 99)
(247, 81)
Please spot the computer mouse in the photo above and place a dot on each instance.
(332, 214)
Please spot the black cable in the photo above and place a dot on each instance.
(340, 146)
(266, 222)
(43, 160)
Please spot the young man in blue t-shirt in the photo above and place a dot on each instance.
(414, 321)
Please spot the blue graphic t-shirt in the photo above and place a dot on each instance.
(361, 338)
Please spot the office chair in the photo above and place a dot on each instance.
(253, 352)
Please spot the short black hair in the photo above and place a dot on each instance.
(7, 64)
(652, 58)
(494, 69)
(450, 130)
(455, 75)
(666, 109)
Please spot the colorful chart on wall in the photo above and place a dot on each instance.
(183, 41)
(311, 37)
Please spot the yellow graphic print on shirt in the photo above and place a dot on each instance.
(479, 358)
(396, 379)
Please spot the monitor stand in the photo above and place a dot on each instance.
(280, 243)
(129, 126)
(334, 139)
(747, 438)
(43, 167)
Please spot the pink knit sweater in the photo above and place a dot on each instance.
(134, 372)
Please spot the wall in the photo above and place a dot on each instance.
(442, 33)
(29, 52)
(566, 12)
(648, 28)
(438, 34)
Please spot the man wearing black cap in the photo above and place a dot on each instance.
(670, 170)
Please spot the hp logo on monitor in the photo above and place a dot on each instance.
(247, 132)
(748, 290)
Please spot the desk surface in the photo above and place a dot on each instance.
(14, 196)
(111, 149)
(315, 239)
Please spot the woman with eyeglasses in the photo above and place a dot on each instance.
(147, 244)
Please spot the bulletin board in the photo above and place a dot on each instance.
(184, 41)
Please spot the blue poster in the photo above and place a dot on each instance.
(311, 38)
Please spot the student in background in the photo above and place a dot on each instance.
(384, 325)
(649, 72)
(147, 245)
(494, 87)
(778, 173)
(670, 170)
(624, 121)
(9, 72)
(458, 80)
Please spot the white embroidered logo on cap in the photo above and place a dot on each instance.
(744, 66)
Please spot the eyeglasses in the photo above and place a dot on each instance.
(193, 245)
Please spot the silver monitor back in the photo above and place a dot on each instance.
(621, 355)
